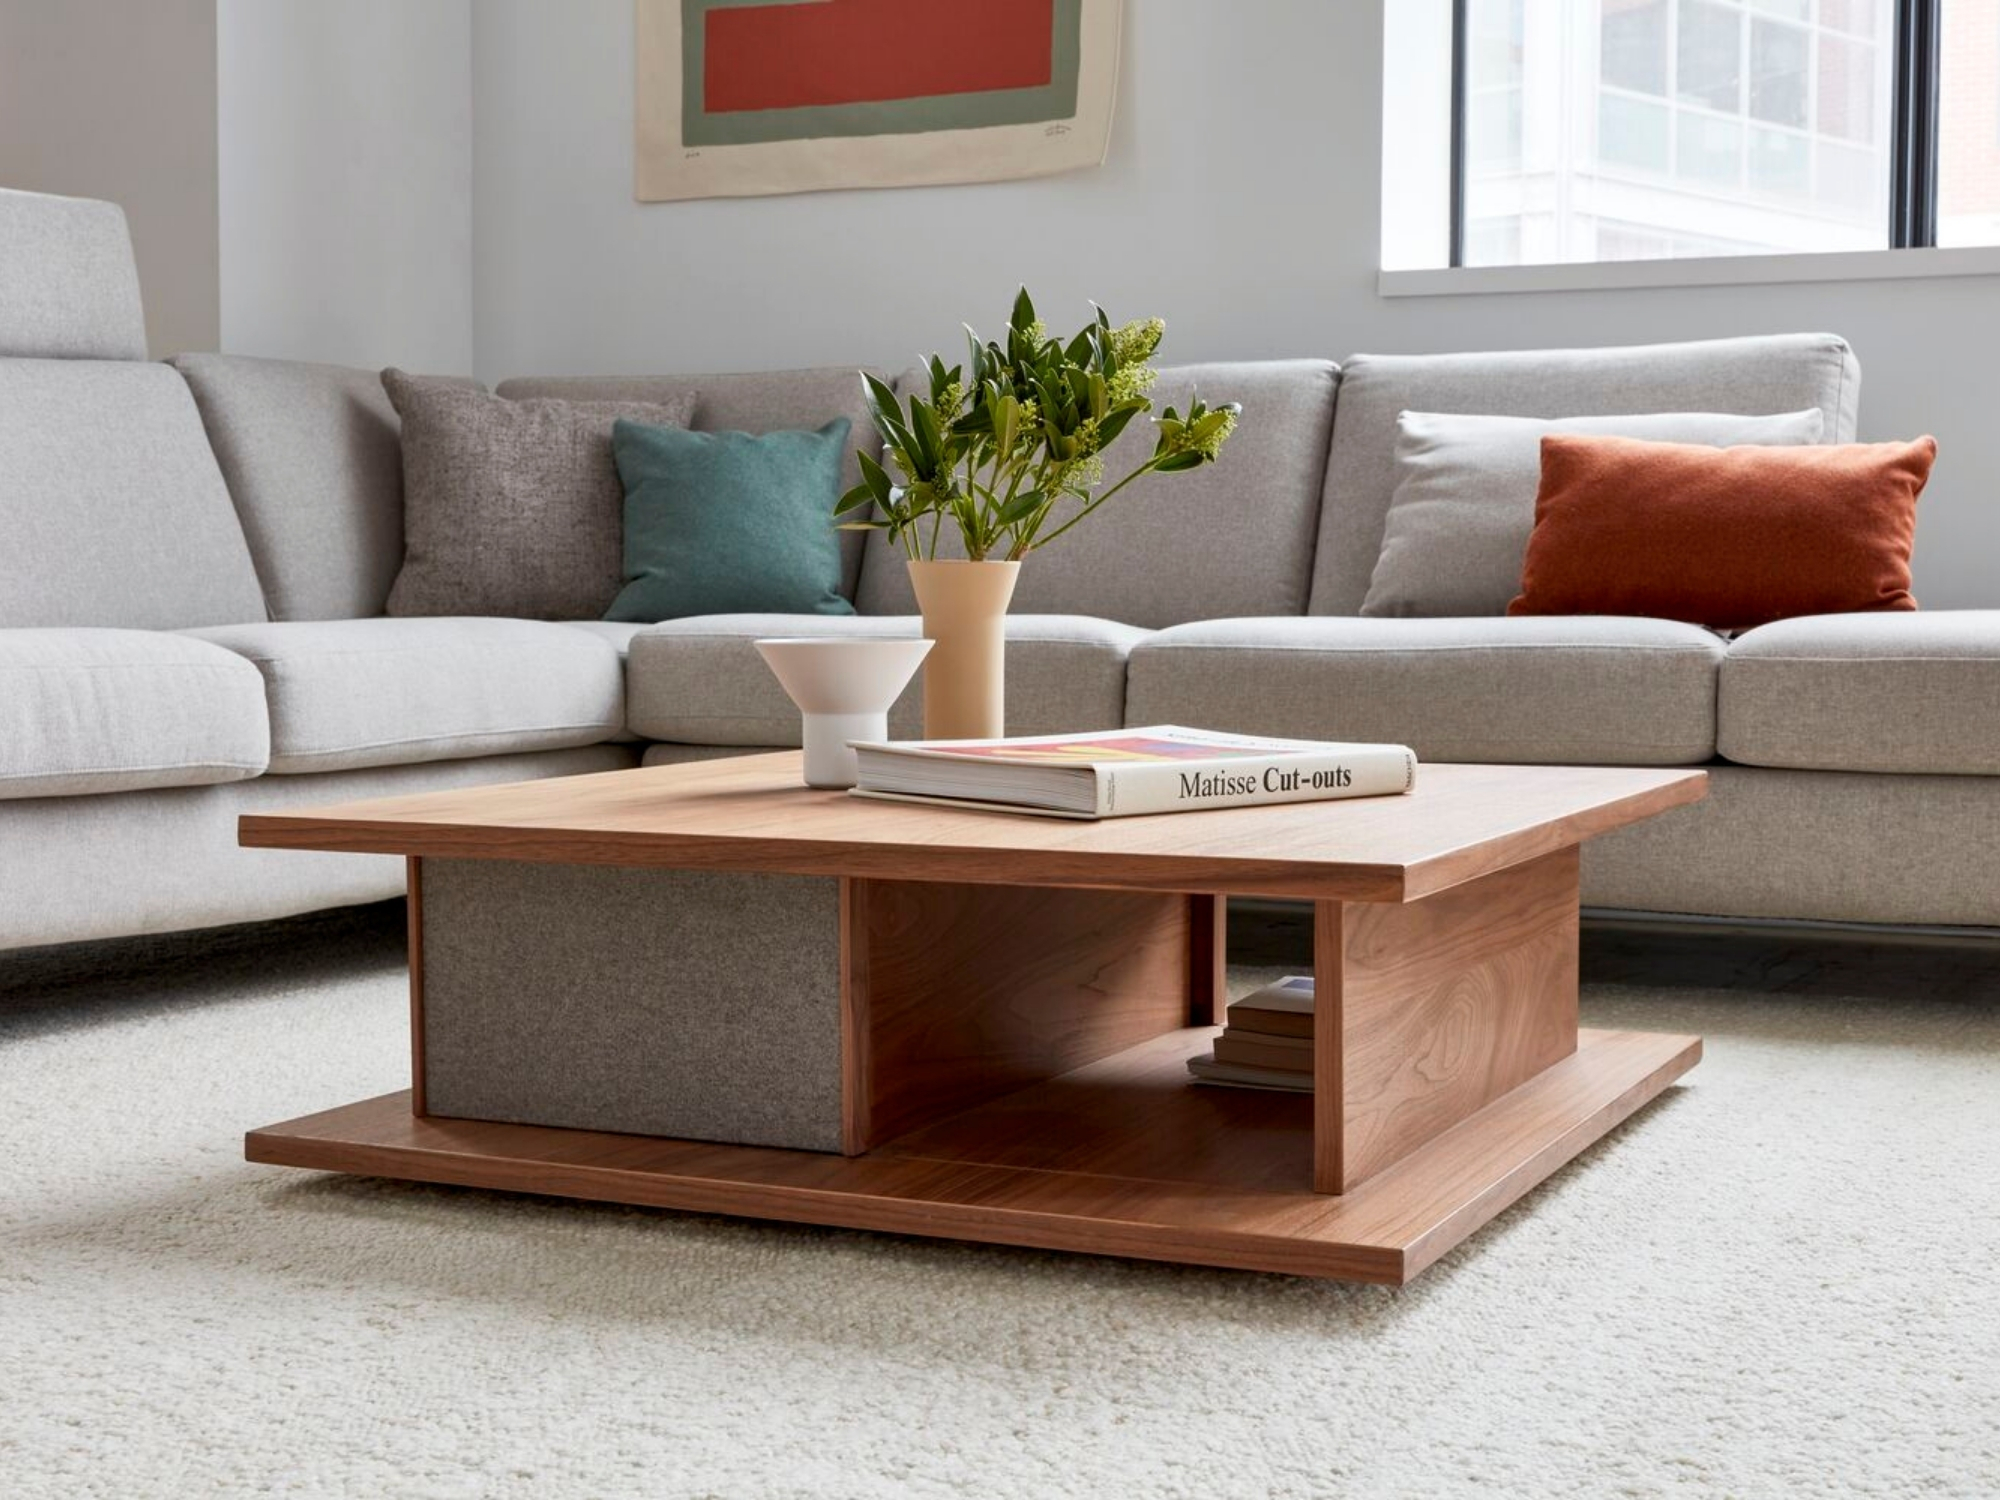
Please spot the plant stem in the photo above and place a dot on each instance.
(1145, 468)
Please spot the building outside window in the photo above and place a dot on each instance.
(1605, 130)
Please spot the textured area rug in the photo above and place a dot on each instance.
(1778, 1280)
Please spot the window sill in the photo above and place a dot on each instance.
(1719, 270)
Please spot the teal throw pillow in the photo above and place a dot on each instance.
(720, 523)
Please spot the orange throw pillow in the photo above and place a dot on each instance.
(1724, 537)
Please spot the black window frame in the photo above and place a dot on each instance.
(1913, 146)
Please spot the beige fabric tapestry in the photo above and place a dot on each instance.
(742, 97)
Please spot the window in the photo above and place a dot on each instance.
(1603, 130)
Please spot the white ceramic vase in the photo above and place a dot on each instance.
(844, 690)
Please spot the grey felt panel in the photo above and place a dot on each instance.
(654, 1002)
(1232, 538)
(94, 711)
(112, 511)
(1753, 376)
(700, 681)
(1588, 690)
(1892, 691)
(81, 868)
(315, 465)
(761, 401)
(348, 693)
(1815, 845)
(70, 289)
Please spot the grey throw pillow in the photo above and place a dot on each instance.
(1464, 503)
(511, 507)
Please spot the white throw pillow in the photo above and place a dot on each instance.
(1464, 503)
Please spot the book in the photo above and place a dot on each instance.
(1268, 1041)
(1125, 772)
(1281, 1009)
(1207, 1070)
(1248, 1050)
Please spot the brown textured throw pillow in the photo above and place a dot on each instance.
(1724, 537)
(511, 507)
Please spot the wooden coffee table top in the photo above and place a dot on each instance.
(752, 813)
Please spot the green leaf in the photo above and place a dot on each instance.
(888, 416)
(1178, 463)
(930, 441)
(1017, 510)
(1024, 311)
(882, 404)
(1114, 423)
(874, 476)
(854, 499)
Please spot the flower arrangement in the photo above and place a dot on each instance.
(1009, 448)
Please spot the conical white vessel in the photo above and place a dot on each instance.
(844, 690)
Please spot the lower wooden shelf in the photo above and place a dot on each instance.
(1124, 1157)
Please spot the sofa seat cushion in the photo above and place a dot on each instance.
(1916, 693)
(1590, 690)
(86, 710)
(700, 681)
(348, 693)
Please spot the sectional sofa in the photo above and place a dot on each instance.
(194, 559)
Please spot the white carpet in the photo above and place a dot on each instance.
(1780, 1280)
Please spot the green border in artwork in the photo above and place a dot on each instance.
(1055, 100)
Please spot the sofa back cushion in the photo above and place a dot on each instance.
(1753, 376)
(112, 509)
(69, 288)
(774, 401)
(314, 463)
(1231, 538)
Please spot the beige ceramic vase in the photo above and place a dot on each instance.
(964, 606)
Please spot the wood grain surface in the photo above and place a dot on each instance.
(751, 813)
(1169, 1171)
(961, 993)
(1429, 1011)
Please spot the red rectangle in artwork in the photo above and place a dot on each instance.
(825, 52)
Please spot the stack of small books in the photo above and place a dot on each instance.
(1268, 1041)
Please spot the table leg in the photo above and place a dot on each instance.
(1429, 1011)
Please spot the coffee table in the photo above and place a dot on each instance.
(706, 987)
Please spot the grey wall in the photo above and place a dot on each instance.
(108, 99)
(346, 181)
(1241, 202)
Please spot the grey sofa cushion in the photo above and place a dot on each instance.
(511, 507)
(1821, 846)
(165, 860)
(71, 288)
(1866, 692)
(112, 511)
(1782, 373)
(346, 693)
(1232, 538)
(1581, 691)
(615, 633)
(85, 711)
(764, 401)
(1464, 503)
(699, 681)
(315, 466)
